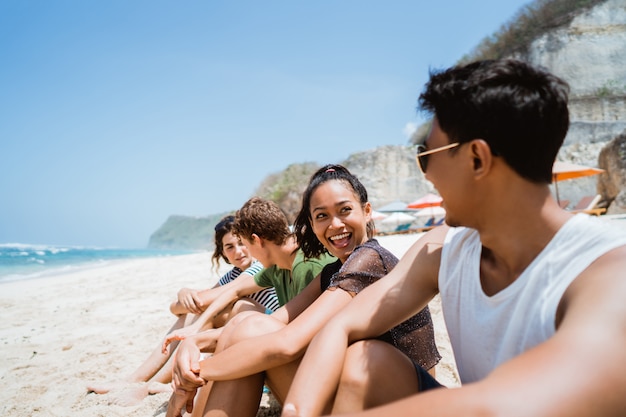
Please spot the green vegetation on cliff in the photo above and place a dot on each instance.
(529, 23)
(285, 188)
(514, 38)
(186, 232)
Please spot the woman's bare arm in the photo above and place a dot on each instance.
(190, 301)
(279, 347)
(229, 293)
(406, 290)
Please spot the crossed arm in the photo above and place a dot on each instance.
(300, 319)
(214, 301)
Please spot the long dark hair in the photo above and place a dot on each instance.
(308, 242)
(221, 228)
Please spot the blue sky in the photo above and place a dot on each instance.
(116, 114)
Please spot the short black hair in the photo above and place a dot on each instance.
(520, 110)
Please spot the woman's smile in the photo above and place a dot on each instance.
(340, 241)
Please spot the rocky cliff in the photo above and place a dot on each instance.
(588, 50)
(185, 232)
(590, 54)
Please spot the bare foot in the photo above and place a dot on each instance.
(130, 394)
(105, 387)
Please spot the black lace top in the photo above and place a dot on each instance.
(368, 263)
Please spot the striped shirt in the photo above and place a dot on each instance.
(266, 297)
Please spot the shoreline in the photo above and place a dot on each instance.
(43, 261)
(62, 332)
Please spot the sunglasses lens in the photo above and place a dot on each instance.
(422, 160)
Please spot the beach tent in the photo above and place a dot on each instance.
(394, 206)
(566, 171)
(429, 200)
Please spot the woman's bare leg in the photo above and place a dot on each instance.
(162, 364)
(239, 397)
(147, 369)
(374, 373)
(240, 306)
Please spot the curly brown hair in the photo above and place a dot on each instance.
(263, 218)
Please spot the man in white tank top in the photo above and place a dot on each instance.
(534, 297)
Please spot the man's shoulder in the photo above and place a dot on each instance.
(268, 273)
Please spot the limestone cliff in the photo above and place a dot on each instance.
(590, 54)
(586, 47)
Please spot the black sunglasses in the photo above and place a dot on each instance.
(422, 154)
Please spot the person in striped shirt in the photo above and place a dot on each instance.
(155, 373)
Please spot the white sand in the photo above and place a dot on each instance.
(59, 333)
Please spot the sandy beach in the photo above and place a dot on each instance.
(59, 333)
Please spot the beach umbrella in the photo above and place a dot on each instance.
(566, 171)
(435, 211)
(393, 207)
(429, 200)
(377, 215)
(398, 218)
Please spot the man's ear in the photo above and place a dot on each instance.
(254, 238)
(482, 156)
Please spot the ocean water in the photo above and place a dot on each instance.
(23, 261)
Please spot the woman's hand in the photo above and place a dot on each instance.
(179, 399)
(186, 369)
(185, 379)
(190, 300)
(179, 334)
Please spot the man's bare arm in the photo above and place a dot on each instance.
(579, 372)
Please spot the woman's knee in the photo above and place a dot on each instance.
(254, 324)
(246, 304)
(237, 319)
(379, 371)
(362, 362)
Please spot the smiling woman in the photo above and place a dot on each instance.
(335, 217)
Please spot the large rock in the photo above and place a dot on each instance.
(612, 184)
(389, 173)
(590, 54)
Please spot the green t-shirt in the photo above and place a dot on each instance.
(288, 283)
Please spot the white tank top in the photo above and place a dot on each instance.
(486, 331)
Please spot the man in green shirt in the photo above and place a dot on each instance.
(263, 228)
